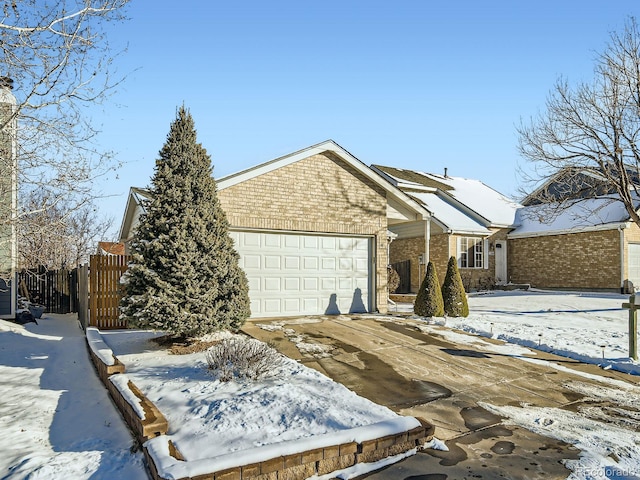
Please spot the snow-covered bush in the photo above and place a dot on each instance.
(240, 357)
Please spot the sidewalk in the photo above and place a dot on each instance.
(56, 418)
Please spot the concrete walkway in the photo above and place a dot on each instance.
(391, 362)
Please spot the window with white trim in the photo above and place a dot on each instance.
(471, 252)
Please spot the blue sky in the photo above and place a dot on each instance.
(412, 84)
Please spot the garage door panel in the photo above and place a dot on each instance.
(292, 263)
(294, 274)
(272, 284)
(272, 262)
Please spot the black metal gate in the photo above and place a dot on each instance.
(57, 290)
(404, 272)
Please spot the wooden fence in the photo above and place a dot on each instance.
(57, 290)
(105, 290)
(404, 272)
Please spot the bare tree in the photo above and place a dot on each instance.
(59, 60)
(588, 136)
(55, 237)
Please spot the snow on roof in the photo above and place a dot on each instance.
(482, 199)
(448, 214)
(588, 214)
(481, 203)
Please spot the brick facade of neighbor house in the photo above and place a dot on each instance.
(441, 247)
(318, 194)
(631, 235)
(587, 260)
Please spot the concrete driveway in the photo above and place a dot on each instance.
(391, 361)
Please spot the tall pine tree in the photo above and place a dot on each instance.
(184, 278)
(429, 301)
(453, 294)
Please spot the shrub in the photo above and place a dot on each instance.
(393, 279)
(429, 299)
(453, 293)
(246, 358)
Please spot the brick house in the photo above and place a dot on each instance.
(469, 221)
(312, 231)
(573, 233)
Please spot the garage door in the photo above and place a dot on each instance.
(634, 264)
(293, 274)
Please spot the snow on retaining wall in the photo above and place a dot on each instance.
(142, 416)
(300, 459)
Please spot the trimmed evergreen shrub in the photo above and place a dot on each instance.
(429, 299)
(453, 294)
(184, 278)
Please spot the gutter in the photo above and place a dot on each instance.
(567, 231)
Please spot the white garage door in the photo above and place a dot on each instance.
(634, 264)
(293, 274)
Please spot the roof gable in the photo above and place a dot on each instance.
(398, 200)
(452, 198)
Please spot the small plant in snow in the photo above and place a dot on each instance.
(240, 357)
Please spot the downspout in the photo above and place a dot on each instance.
(427, 240)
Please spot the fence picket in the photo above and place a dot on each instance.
(105, 290)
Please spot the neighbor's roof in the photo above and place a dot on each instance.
(602, 213)
(111, 248)
(451, 198)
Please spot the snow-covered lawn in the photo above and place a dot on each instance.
(589, 327)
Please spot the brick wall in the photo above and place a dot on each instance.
(589, 260)
(321, 194)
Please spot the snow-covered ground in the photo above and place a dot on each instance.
(590, 327)
(56, 418)
(58, 422)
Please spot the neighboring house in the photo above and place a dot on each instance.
(470, 221)
(312, 231)
(110, 248)
(587, 242)
(8, 202)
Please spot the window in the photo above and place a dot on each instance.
(471, 252)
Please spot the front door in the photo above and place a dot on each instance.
(501, 262)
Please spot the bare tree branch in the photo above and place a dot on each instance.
(587, 137)
(58, 55)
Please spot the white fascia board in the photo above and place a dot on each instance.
(133, 201)
(473, 233)
(568, 231)
(331, 146)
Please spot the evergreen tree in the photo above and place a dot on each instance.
(453, 294)
(184, 278)
(429, 301)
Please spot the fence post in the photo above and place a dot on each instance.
(633, 326)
